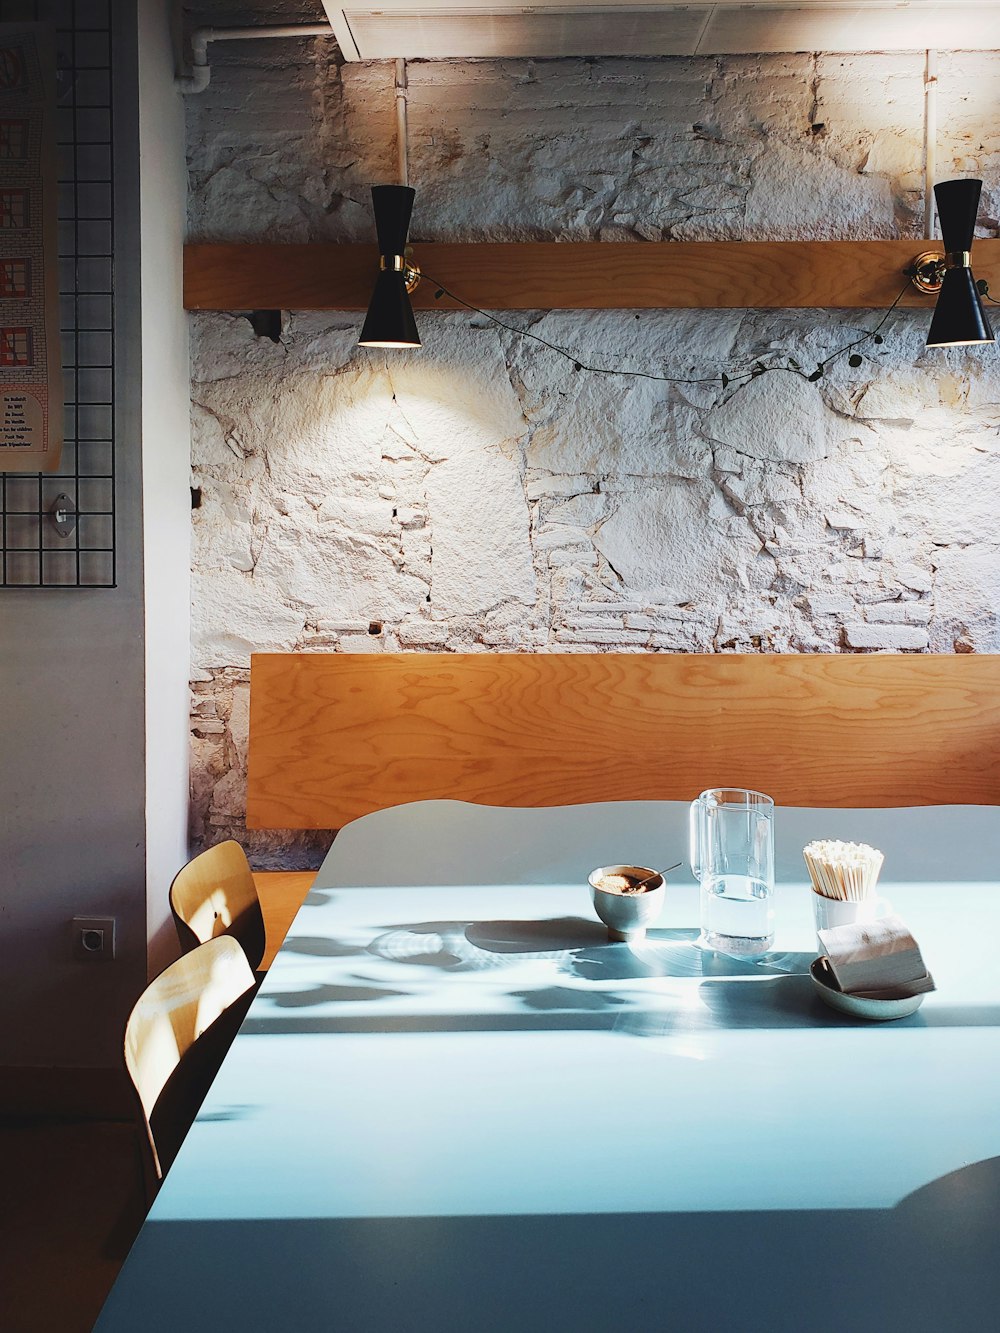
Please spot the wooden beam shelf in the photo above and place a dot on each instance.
(574, 275)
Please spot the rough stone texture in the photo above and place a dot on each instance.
(483, 494)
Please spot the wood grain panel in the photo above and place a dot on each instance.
(281, 894)
(579, 275)
(334, 736)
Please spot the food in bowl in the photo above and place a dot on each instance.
(626, 883)
(627, 899)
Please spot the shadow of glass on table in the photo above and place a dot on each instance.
(575, 944)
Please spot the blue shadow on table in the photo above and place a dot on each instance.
(773, 992)
(475, 946)
(227, 1114)
(550, 935)
(318, 898)
(675, 953)
(925, 1266)
(439, 944)
(973, 1190)
(577, 945)
(334, 994)
(567, 999)
(320, 946)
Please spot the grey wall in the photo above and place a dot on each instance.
(71, 732)
(166, 467)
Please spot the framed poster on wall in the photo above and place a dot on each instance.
(31, 389)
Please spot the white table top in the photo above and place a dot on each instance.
(448, 1054)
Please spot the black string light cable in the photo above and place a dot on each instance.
(739, 378)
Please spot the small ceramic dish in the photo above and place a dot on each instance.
(879, 1011)
(627, 915)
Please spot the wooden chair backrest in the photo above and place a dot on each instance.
(177, 1034)
(215, 894)
(334, 736)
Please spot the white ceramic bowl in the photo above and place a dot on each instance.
(879, 1011)
(627, 915)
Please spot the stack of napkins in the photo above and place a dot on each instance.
(876, 960)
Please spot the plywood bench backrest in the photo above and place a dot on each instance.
(334, 736)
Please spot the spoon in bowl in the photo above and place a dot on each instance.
(658, 874)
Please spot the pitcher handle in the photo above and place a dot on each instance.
(694, 837)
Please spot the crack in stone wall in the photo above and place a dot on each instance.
(482, 495)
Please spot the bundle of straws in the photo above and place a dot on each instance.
(845, 870)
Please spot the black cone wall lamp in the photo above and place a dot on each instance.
(959, 319)
(390, 322)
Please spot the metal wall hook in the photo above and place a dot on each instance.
(62, 514)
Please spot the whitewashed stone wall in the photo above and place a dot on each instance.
(483, 495)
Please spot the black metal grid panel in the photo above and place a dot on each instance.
(32, 553)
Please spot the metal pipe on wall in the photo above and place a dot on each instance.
(197, 81)
(402, 146)
(930, 140)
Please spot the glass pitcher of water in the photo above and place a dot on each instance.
(732, 856)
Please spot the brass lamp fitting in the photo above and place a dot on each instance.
(927, 271)
(400, 264)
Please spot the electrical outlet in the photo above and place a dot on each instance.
(94, 937)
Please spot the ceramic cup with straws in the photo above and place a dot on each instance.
(844, 876)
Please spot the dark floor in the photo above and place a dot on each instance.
(71, 1204)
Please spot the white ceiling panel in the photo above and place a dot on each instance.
(438, 29)
(851, 28)
(545, 32)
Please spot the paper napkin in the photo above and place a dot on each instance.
(880, 959)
